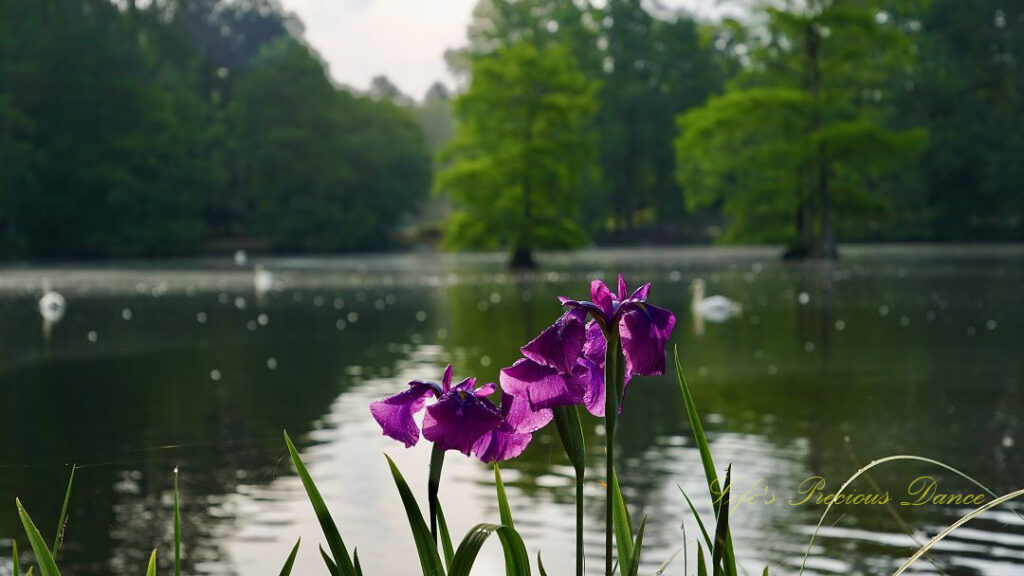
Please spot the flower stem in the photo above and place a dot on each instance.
(433, 484)
(579, 524)
(570, 430)
(612, 393)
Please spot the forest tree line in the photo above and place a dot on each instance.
(170, 127)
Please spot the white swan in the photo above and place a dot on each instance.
(52, 304)
(713, 308)
(262, 280)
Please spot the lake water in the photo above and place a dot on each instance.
(892, 350)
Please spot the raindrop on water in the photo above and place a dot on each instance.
(803, 298)
(201, 317)
(340, 324)
(808, 346)
(421, 316)
(126, 313)
(353, 317)
(840, 325)
(215, 375)
(990, 324)
(240, 303)
(263, 319)
(272, 363)
(485, 360)
(904, 321)
(92, 336)
(883, 310)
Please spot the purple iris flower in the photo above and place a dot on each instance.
(461, 419)
(562, 366)
(510, 438)
(643, 329)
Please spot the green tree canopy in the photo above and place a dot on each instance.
(803, 131)
(521, 152)
(322, 169)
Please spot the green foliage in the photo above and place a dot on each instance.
(515, 168)
(155, 128)
(47, 566)
(336, 172)
(803, 133)
(339, 563)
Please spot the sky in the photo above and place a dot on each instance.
(404, 40)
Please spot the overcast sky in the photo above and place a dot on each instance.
(404, 40)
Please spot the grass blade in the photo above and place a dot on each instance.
(700, 523)
(47, 566)
(63, 514)
(468, 549)
(705, 456)
(952, 527)
(540, 566)
(872, 464)
(355, 562)
(17, 565)
(430, 561)
(433, 485)
(503, 508)
(702, 569)
(151, 571)
(446, 538)
(722, 528)
(505, 511)
(331, 566)
(341, 560)
(622, 524)
(512, 542)
(286, 570)
(634, 565)
(570, 432)
(177, 527)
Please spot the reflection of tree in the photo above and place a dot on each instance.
(140, 401)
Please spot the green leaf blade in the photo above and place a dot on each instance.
(47, 565)
(341, 560)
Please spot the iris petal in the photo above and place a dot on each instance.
(594, 348)
(560, 344)
(458, 420)
(513, 435)
(601, 296)
(543, 386)
(623, 290)
(644, 330)
(396, 413)
(591, 378)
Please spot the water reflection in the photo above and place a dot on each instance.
(898, 352)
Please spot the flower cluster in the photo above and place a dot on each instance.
(563, 365)
(461, 418)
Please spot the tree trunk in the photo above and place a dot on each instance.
(522, 259)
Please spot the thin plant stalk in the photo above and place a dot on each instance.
(579, 524)
(613, 384)
(433, 485)
(570, 431)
